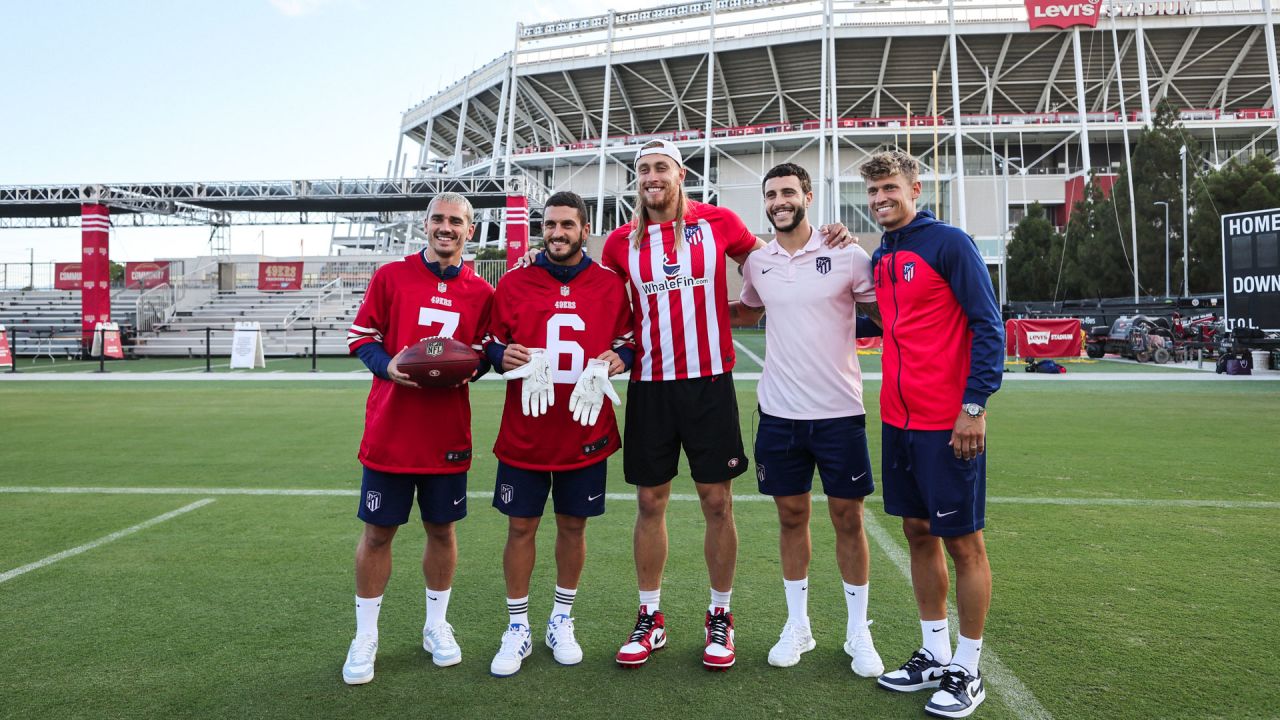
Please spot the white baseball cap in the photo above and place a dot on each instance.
(661, 147)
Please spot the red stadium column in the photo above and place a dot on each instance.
(517, 228)
(95, 272)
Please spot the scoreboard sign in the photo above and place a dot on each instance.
(1251, 269)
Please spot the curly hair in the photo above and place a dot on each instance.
(890, 162)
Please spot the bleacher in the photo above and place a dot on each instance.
(286, 320)
(47, 322)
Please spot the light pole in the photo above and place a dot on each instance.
(1166, 245)
(31, 268)
(1186, 290)
(1004, 248)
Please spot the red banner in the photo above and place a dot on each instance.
(517, 228)
(95, 270)
(6, 358)
(111, 344)
(1063, 13)
(280, 276)
(66, 276)
(1042, 338)
(145, 275)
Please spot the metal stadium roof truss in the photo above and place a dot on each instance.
(742, 84)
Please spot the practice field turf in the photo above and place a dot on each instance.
(1131, 529)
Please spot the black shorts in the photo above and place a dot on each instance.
(523, 493)
(386, 499)
(787, 450)
(698, 414)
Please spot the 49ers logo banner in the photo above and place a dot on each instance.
(1063, 13)
(279, 276)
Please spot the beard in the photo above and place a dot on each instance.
(797, 217)
(665, 201)
(574, 247)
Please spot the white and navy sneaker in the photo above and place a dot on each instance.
(358, 669)
(795, 640)
(918, 673)
(859, 646)
(440, 643)
(517, 644)
(959, 694)
(564, 646)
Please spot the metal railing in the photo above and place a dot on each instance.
(333, 287)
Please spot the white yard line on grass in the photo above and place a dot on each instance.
(5, 577)
(47, 375)
(1003, 682)
(745, 351)
(622, 496)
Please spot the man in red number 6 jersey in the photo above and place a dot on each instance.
(426, 294)
(681, 394)
(560, 328)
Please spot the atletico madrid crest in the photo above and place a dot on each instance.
(908, 271)
(693, 234)
(824, 265)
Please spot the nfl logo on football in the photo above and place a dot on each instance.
(434, 349)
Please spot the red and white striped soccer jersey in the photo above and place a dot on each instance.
(679, 294)
(574, 321)
(418, 430)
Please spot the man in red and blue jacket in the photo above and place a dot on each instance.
(943, 356)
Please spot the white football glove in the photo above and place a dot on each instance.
(588, 395)
(536, 391)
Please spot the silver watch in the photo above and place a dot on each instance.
(973, 410)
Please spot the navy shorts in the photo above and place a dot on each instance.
(922, 478)
(698, 414)
(387, 498)
(787, 450)
(523, 493)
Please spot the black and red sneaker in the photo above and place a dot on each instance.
(649, 636)
(718, 654)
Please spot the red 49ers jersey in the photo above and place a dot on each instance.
(418, 430)
(574, 321)
(679, 293)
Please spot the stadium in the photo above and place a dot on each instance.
(179, 529)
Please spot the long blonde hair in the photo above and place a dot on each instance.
(640, 218)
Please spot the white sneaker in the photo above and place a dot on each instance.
(794, 641)
(440, 643)
(859, 646)
(358, 669)
(564, 646)
(517, 644)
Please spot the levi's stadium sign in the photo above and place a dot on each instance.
(1068, 13)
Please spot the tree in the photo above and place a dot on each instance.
(117, 273)
(1035, 253)
(1095, 264)
(1239, 186)
(1156, 170)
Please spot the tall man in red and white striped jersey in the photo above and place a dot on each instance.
(681, 394)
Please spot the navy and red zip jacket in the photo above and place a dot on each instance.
(943, 338)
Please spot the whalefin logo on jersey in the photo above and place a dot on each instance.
(693, 234)
(670, 265)
(908, 271)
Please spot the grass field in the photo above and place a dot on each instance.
(1131, 529)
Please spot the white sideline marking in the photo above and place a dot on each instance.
(619, 496)
(745, 351)
(49, 375)
(5, 577)
(1015, 695)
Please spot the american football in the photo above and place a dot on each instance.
(438, 362)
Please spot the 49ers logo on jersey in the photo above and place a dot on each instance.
(1063, 13)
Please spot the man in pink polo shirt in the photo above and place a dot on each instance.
(811, 409)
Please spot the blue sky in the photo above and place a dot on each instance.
(132, 90)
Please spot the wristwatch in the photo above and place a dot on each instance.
(973, 410)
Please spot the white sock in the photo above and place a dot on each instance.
(437, 606)
(367, 610)
(937, 640)
(720, 600)
(564, 601)
(797, 601)
(855, 598)
(649, 600)
(968, 652)
(518, 609)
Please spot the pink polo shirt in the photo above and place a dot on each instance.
(811, 361)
